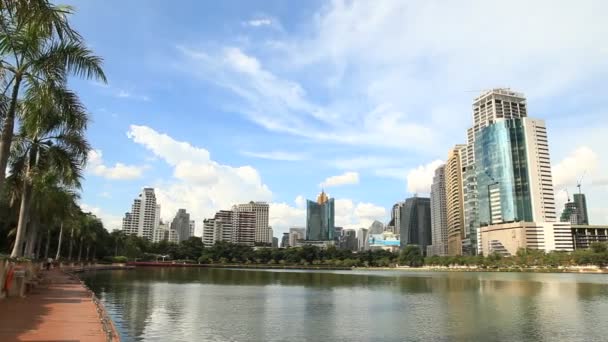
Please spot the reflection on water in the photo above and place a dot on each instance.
(191, 304)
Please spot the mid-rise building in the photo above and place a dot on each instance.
(275, 242)
(161, 233)
(144, 216)
(262, 233)
(192, 226)
(584, 235)
(295, 234)
(439, 227)
(454, 200)
(182, 225)
(348, 240)
(230, 226)
(416, 223)
(320, 219)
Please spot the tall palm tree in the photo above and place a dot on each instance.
(38, 49)
(50, 140)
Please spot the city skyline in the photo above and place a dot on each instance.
(229, 109)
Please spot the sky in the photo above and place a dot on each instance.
(221, 102)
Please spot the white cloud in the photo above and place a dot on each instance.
(110, 221)
(199, 184)
(352, 216)
(569, 170)
(275, 155)
(263, 21)
(119, 171)
(419, 180)
(300, 201)
(363, 162)
(343, 179)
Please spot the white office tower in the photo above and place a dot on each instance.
(144, 216)
(262, 233)
(363, 239)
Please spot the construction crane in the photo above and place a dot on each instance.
(580, 181)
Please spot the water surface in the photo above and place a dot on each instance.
(192, 304)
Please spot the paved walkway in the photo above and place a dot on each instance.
(60, 309)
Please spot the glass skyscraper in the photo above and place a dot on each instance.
(320, 219)
(503, 184)
(416, 223)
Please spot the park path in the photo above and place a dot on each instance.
(60, 309)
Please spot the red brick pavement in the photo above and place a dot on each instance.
(61, 309)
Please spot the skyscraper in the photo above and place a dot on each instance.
(182, 225)
(455, 200)
(363, 239)
(513, 172)
(262, 233)
(491, 105)
(581, 205)
(416, 223)
(320, 219)
(439, 227)
(144, 216)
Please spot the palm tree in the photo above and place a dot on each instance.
(38, 49)
(50, 141)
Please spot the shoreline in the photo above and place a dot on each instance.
(581, 270)
(489, 270)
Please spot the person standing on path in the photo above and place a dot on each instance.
(49, 262)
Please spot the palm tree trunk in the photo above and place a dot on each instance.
(71, 244)
(80, 250)
(88, 248)
(23, 217)
(38, 246)
(33, 236)
(8, 128)
(58, 254)
(48, 244)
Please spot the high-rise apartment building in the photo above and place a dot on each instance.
(192, 226)
(416, 223)
(454, 200)
(295, 234)
(262, 233)
(439, 225)
(348, 240)
(161, 233)
(144, 216)
(182, 225)
(320, 219)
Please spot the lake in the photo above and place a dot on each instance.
(204, 304)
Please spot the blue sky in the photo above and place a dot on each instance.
(215, 103)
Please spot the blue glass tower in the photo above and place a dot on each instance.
(503, 185)
(320, 219)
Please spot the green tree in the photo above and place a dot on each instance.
(50, 140)
(39, 50)
(411, 256)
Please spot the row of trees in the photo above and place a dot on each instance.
(42, 129)
(134, 248)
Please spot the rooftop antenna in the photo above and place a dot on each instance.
(580, 181)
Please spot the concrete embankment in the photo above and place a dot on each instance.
(54, 306)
